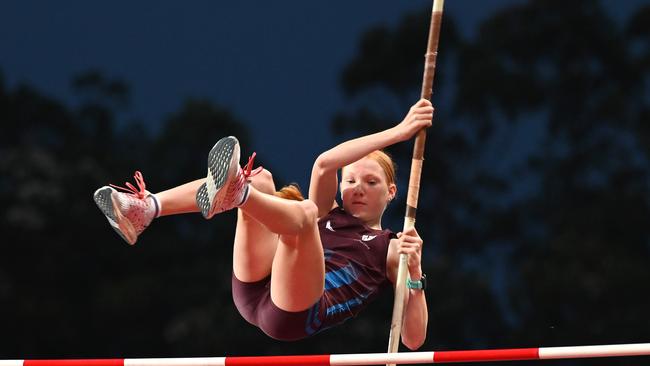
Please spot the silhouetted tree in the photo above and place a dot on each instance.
(535, 183)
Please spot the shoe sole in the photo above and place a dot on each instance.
(223, 162)
(109, 207)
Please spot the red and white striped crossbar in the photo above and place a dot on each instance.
(616, 350)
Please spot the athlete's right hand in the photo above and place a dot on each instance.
(409, 242)
(418, 117)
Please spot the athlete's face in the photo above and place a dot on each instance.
(365, 191)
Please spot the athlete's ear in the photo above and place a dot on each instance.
(392, 191)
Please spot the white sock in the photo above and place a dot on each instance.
(245, 195)
(156, 205)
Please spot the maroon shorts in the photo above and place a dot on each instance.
(253, 300)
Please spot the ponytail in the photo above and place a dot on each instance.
(290, 192)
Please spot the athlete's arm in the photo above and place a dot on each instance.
(416, 315)
(324, 183)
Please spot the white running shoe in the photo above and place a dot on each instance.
(127, 213)
(226, 185)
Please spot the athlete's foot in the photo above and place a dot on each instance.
(128, 213)
(226, 185)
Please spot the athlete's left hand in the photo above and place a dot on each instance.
(409, 242)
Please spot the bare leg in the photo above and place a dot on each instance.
(273, 236)
(298, 275)
(180, 199)
(298, 267)
(255, 244)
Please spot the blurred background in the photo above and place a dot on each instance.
(535, 197)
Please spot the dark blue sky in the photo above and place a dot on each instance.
(275, 64)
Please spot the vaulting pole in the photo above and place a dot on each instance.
(414, 180)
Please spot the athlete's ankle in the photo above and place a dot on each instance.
(155, 204)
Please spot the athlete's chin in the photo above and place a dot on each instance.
(359, 211)
(361, 215)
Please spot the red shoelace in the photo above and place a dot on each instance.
(139, 192)
(242, 179)
(247, 170)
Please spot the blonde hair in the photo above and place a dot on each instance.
(290, 192)
(385, 161)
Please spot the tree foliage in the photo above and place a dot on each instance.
(536, 181)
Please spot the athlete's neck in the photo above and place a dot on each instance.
(374, 224)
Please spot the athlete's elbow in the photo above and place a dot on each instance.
(413, 344)
(324, 164)
(413, 339)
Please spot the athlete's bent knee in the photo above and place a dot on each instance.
(310, 214)
(263, 182)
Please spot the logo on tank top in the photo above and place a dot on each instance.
(328, 226)
(364, 239)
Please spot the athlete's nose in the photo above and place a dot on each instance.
(357, 189)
